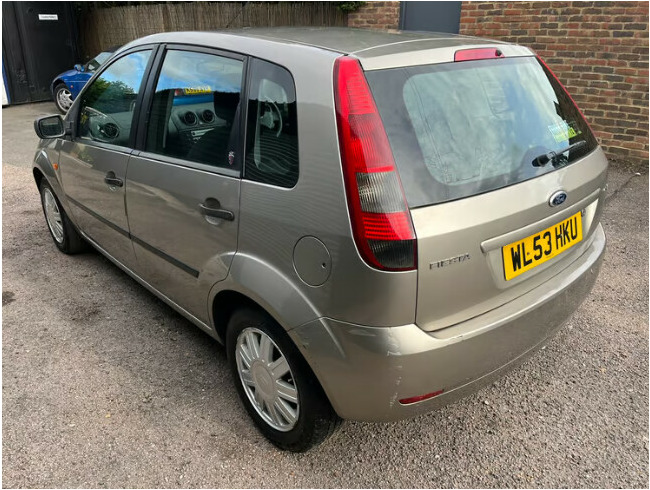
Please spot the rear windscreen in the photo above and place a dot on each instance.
(461, 129)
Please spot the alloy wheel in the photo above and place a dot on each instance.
(64, 98)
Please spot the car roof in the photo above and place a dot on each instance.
(374, 48)
(350, 41)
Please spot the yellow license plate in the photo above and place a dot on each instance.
(526, 254)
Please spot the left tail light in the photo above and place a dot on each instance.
(381, 221)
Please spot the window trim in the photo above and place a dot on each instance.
(154, 48)
(143, 123)
(249, 81)
(179, 162)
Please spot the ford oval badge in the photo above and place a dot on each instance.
(557, 198)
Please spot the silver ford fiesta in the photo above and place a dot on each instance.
(373, 224)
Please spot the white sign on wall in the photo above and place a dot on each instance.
(48, 17)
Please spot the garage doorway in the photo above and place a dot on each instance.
(39, 41)
(430, 16)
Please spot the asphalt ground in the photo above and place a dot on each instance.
(105, 386)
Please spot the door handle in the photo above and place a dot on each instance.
(113, 181)
(217, 212)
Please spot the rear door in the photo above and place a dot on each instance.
(184, 181)
(93, 163)
(495, 212)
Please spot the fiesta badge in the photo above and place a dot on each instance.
(557, 198)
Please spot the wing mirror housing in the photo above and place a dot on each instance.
(49, 127)
(79, 67)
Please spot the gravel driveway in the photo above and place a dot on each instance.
(105, 386)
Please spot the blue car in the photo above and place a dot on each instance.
(67, 85)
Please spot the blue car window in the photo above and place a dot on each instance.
(97, 61)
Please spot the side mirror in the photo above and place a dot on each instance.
(78, 67)
(48, 127)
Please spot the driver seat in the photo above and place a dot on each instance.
(214, 146)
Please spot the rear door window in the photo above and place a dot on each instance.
(461, 129)
(195, 108)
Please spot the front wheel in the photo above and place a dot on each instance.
(62, 98)
(63, 232)
(276, 385)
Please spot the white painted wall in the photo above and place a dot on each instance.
(3, 92)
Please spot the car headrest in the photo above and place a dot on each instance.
(225, 105)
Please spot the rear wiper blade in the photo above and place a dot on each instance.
(554, 156)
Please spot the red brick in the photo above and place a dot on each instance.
(598, 49)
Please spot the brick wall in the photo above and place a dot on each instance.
(599, 50)
(375, 15)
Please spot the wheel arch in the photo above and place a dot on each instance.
(254, 283)
(224, 304)
(38, 176)
(42, 169)
(55, 84)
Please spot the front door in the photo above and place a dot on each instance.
(183, 187)
(93, 164)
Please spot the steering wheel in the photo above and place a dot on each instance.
(101, 127)
(269, 120)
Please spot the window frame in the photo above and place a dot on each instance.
(74, 117)
(150, 89)
(249, 81)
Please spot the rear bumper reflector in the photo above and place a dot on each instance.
(415, 399)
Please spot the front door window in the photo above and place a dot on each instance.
(107, 106)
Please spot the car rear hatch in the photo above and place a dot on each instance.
(502, 175)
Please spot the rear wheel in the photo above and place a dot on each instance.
(62, 98)
(63, 232)
(276, 385)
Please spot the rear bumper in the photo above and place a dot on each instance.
(365, 371)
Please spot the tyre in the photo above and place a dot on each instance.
(62, 98)
(65, 235)
(276, 385)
